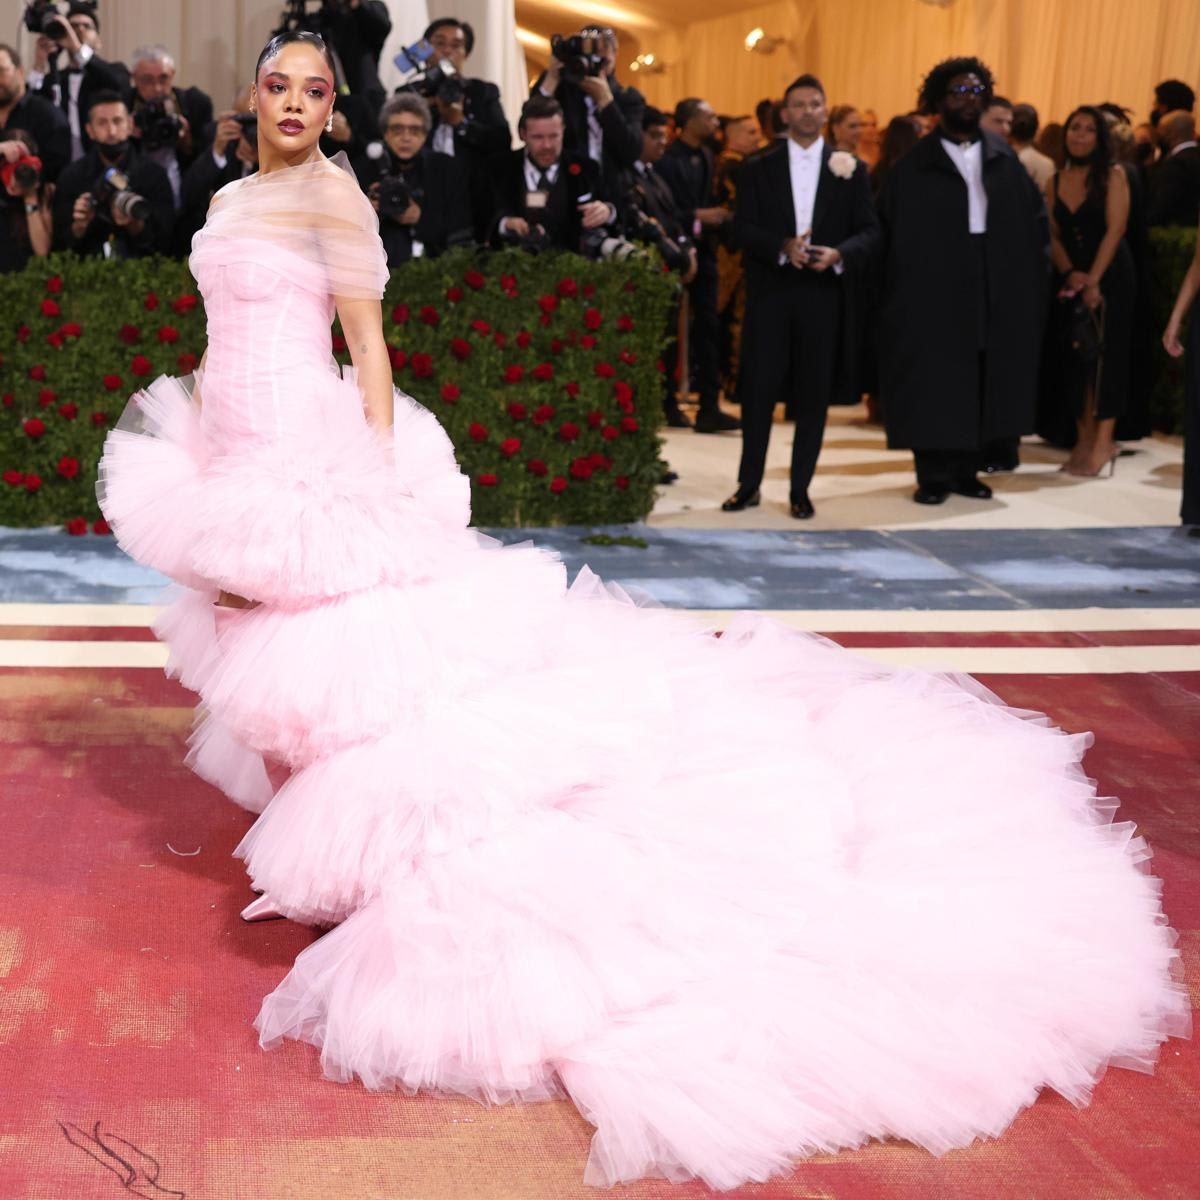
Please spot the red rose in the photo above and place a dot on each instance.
(587, 342)
(184, 304)
(593, 318)
(625, 321)
(34, 427)
(68, 468)
(625, 405)
(14, 478)
(422, 365)
(397, 358)
(630, 286)
(54, 284)
(8, 400)
(460, 348)
(599, 461)
(481, 327)
(510, 446)
(168, 334)
(568, 431)
(595, 420)
(545, 320)
(77, 526)
(605, 370)
(622, 392)
(129, 334)
(23, 332)
(487, 479)
(535, 466)
(516, 410)
(610, 433)
(101, 526)
(629, 425)
(501, 340)
(558, 485)
(514, 373)
(628, 357)
(37, 371)
(72, 329)
(450, 393)
(151, 302)
(543, 372)
(46, 397)
(474, 280)
(621, 482)
(32, 482)
(556, 346)
(581, 469)
(508, 282)
(68, 411)
(54, 339)
(50, 308)
(567, 287)
(140, 365)
(572, 388)
(549, 303)
(186, 362)
(477, 432)
(429, 315)
(339, 343)
(523, 338)
(574, 169)
(589, 291)
(99, 418)
(454, 294)
(400, 314)
(543, 413)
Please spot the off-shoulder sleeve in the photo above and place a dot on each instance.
(346, 230)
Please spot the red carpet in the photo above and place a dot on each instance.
(128, 1064)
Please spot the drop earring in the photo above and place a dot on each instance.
(329, 124)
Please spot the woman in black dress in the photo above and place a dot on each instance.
(1088, 201)
(1181, 333)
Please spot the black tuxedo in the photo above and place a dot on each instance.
(200, 182)
(794, 314)
(1175, 189)
(483, 134)
(98, 76)
(48, 125)
(577, 177)
(649, 193)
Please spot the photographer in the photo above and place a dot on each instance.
(468, 121)
(232, 154)
(113, 201)
(543, 198)
(26, 219)
(356, 31)
(603, 120)
(70, 86)
(419, 194)
(21, 109)
(168, 121)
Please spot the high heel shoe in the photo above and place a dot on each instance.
(262, 909)
(1106, 469)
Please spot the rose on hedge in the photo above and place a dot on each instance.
(140, 365)
(77, 526)
(450, 393)
(68, 467)
(34, 427)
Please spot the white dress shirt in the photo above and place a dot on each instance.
(969, 161)
(804, 166)
(533, 182)
(443, 139)
(34, 79)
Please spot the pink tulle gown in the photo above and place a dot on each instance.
(572, 843)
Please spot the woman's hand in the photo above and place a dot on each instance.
(1171, 340)
(1092, 296)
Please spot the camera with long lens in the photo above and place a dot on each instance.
(580, 56)
(44, 16)
(26, 172)
(395, 196)
(112, 192)
(645, 229)
(160, 127)
(434, 80)
(605, 246)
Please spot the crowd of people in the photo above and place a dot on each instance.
(811, 245)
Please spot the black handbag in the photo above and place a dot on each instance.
(1083, 330)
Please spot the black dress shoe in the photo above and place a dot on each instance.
(718, 422)
(668, 476)
(972, 488)
(928, 494)
(802, 508)
(678, 419)
(742, 498)
(995, 468)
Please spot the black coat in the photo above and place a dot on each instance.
(650, 194)
(1175, 189)
(146, 178)
(357, 36)
(688, 171)
(98, 76)
(48, 125)
(929, 325)
(438, 186)
(200, 182)
(578, 176)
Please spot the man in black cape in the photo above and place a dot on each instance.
(966, 277)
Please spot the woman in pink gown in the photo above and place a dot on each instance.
(779, 943)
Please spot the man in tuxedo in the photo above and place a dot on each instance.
(468, 121)
(1175, 179)
(70, 86)
(542, 196)
(804, 220)
(22, 109)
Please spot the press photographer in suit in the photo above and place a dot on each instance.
(804, 219)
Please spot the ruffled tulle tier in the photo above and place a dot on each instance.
(572, 843)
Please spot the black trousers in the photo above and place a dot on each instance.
(943, 468)
(789, 344)
(704, 340)
(1189, 511)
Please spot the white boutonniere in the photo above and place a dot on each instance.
(843, 164)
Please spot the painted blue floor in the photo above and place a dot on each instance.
(688, 568)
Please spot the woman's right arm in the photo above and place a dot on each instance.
(1058, 253)
(1172, 342)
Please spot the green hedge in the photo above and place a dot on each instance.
(1171, 254)
(543, 370)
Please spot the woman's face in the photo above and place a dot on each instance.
(848, 131)
(405, 134)
(293, 95)
(1081, 136)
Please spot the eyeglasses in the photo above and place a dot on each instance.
(967, 89)
(396, 127)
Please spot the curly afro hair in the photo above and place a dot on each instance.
(936, 83)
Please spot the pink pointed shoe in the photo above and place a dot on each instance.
(262, 909)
